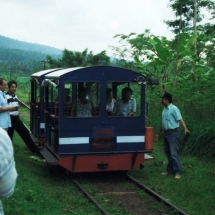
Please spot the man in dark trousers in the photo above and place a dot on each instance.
(16, 123)
(171, 117)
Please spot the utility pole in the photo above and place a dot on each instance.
(44, 63)
(195, 33)
(10, 69)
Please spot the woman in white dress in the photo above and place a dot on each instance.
(83, 107)
(110, 102)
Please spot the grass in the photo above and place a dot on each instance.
(44, 189)
(193, 193)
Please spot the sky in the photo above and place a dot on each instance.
(79, 24)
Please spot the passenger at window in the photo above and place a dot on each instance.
(66, 96)
(110, 102)
(67, 99)
(127, 105)
(83, 107)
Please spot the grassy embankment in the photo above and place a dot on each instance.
(40, 190)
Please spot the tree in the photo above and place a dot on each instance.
(155, 56)
(189, 16)
(76, 59)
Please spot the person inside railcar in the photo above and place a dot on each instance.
(66, 96)
(127, 105)
(110, 102)
(83, 107)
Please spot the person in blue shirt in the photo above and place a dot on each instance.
(5, 121)
(171, 118)
(127, 105)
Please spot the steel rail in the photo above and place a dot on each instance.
(89, 197)
(157, 196)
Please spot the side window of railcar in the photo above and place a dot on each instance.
(52, 98)
(123, 99)
(53, 94)
(85, 99)
(67, 99)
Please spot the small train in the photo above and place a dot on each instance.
(101, 142)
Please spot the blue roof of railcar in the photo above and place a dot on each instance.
(61, 72)
(42, 72)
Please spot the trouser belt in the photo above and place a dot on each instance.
(170, 130)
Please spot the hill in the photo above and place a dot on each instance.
(21, 58)
(8, 43)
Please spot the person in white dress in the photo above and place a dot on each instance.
(83, 107)
(110, 102)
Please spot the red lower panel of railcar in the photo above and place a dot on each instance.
(99, 163)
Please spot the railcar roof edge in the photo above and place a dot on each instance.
(58, 73)
(42, 72)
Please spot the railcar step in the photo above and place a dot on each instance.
(148, 157)
(50, 158)
(34, 138)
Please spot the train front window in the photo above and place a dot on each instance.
(83, 99)
(123, 99)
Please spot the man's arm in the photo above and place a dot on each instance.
(184, 126)
(133, 110)
(5, 109)
(8, 182)
(158, 133)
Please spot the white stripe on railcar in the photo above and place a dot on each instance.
(74, 140)
(130, 139)
(85, 140)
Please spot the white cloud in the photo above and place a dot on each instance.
(114, 24)
(80, 24)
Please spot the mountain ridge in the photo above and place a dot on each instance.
(6, 42)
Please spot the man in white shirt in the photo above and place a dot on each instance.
(16, 123)
(5, 121)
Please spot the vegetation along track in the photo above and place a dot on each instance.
(114, 193)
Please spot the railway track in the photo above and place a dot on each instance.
(131, 180)
(105, 190)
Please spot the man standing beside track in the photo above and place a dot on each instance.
(5, 121)
(171, 117)
(17, 124)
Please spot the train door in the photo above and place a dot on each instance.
(51, 110)
(125, 109)
(35, 107)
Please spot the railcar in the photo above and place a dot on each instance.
(101, 142)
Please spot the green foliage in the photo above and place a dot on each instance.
(193, 193)
(77, 59)
(20, 58)
(184, 74)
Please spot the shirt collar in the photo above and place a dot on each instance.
(11, 94)
(169, 106)
(3, 93)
